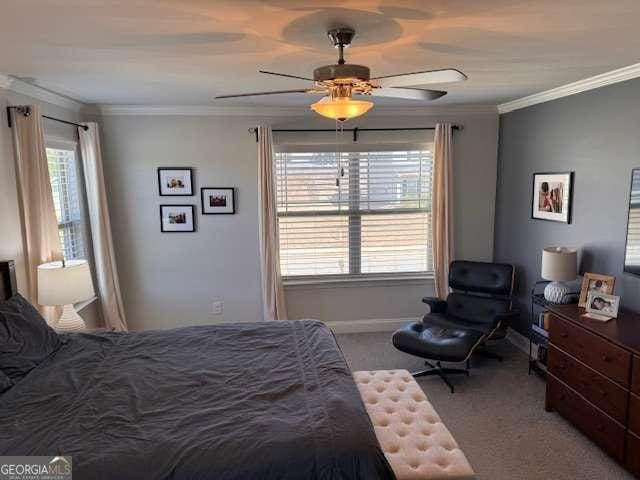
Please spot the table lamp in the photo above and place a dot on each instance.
(65, 283)
(559, 264)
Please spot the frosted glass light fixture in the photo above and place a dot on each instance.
(341, 108)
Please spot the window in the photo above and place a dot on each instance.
(63, 172)
(355, 214)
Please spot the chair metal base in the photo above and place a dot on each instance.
(442, 372)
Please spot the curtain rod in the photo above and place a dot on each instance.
(26, 111)
(355, 130)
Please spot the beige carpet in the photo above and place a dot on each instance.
(497, 416)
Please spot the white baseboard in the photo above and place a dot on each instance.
(369, 325)
(520, 341)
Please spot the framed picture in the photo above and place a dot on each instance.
(601, 306)
(551, 198)
(177, 218)
(175, 182)
(595, 282)
(217, 200)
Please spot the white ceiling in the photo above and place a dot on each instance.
(187, 51)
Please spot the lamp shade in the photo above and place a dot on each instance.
(63, 285)
(341, 108)
(559, 264)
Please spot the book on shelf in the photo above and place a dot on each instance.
(541, 325)
(540, 331)
(543, 354)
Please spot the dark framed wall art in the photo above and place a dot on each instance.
(175, 182)
(218, 200)
(552, 195)
(177, 218)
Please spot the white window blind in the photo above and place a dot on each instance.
(632, 255)
(355, 213)
(63, 173)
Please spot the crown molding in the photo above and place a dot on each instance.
(591, 83)
(301, 111)
(16, 85)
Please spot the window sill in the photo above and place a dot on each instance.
(82, 305)
(370, 281)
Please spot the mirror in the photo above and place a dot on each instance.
(632, 250)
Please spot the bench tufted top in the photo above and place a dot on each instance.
(413, 438)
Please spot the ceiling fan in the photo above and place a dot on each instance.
(339, 82)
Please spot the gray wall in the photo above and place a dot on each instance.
(172, 279)
(596, 135)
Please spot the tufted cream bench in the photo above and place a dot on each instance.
(415, 441)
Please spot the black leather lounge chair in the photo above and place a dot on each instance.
(478, 310)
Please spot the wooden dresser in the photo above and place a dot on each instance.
(594, 379)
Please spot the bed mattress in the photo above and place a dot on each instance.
(267, 400)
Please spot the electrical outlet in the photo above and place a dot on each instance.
(217, 307)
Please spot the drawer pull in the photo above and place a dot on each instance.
(564, 334)
(605, 358)
(600, 428)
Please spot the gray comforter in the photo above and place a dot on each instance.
(258, 400)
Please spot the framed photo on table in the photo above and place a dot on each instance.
(595, 282)
(218, 200)
(601, 306)
(177, 218)
(175, 182)
(551, 196)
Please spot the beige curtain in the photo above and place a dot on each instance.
(273, 301)
(104, 256)
(41, 240)
(442, 207)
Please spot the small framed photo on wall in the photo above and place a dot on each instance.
(216, 200)
(551, 198)
(177, 218)
(175, 182)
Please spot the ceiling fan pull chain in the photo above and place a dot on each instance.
(337, 163)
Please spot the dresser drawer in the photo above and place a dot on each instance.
(603, 393)
(635, 383)
(599, 354)
(602, 429)
(634, 414)
(633, 454)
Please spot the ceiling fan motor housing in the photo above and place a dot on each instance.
(341, 72)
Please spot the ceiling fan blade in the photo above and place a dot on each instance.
(286, 75)
(421, 78)
(408, 93)
(274, 92)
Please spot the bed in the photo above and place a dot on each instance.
(267, 400)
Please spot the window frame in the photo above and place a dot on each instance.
(355, 253)
(60, 143)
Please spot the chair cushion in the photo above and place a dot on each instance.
(437, 339)
(477, 312)
(411, 434)
(481, 277)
